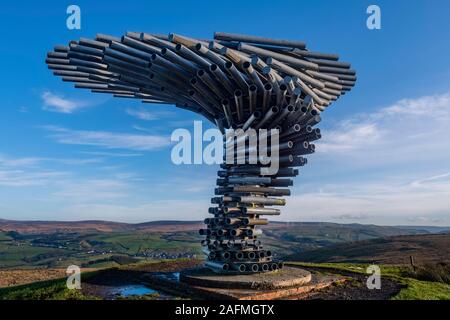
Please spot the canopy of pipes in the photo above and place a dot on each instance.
(236, 82)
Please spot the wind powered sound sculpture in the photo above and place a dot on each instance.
(235, 81)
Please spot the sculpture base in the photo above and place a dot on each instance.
(284, 278)
(201, 283)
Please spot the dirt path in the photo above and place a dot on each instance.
(353, 289)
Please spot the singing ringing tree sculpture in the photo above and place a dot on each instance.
(236, 82)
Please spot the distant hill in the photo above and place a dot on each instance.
(337, 231)
(44, 227)
(426, 248)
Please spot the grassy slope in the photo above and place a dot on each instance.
(392, 250)
(44, 290)
(414, 290)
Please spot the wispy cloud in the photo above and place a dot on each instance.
(410, 131)
(109, 140)
(18, 162)
(22, 178)
(156, 210)
(388, 166)
(91, 189)
(141, 114)
(56, 103)
(394, 201)
(112, 154)
(34, 161)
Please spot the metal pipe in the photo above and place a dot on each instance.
(216, 266)
(178, 60)
(247, 66)
(239, 104)
(281, 57)
(253, 117)
(252, 97)
(263, 200)
(189, 54)
(237, 75)
(267, 96)
(222, 78)
(210, 82)
(227, 112)
(283, 114)
(281, 94)
(259, 40)
(269, 114)
(261, 211)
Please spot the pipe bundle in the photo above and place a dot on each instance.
(236, 82)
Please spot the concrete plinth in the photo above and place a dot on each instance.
(203, 284)
(284, 278)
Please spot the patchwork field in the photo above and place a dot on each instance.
(95, 244)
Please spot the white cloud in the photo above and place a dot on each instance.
(389, 166)
(411, 131)
(18, 162)
(141, 114)
(112, 154)
(56, 103)
(193, 210)
(91, 189)
(21, 178)
(437, 107)
(385, 201)
(109, 140)
(34, 161)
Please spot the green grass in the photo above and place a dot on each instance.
(45, 290)
(414, 289)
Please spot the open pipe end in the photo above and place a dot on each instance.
(283, 87)
(268, 87)
(257, 114)
(198, 46)
(246, 65)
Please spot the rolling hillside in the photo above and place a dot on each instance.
(43, 244)
(425, 249)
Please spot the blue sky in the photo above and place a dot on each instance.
(67, 154)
